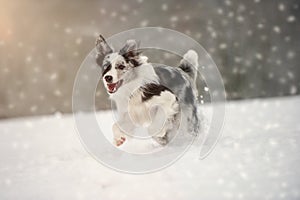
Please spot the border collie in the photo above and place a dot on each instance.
(160, 98)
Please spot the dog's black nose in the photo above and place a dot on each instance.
(108, 79)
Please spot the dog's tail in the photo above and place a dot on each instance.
(189, 64)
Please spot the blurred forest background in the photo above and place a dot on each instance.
(255, 44)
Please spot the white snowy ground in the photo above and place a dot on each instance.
(257, 157)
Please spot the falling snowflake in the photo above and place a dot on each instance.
(276, 29)
(28, 59)
(290, 54)
(291, 18)
(223, 46)
(164, 7)
(281, 7)
(144, 23)
(68, 30)
(293, 90)
(53, 76)
(78, 41)
(258, 56)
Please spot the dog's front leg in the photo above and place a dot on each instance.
(122, 129)
(119, 135)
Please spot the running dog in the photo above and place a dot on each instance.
(158, 97)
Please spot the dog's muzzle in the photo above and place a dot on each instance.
(113, 87)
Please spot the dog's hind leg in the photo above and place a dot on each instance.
(162, 140)
(161, 136)
(165, 135)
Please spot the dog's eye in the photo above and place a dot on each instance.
(121, 67)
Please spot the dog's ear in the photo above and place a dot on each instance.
(102, 48)
(131, 49)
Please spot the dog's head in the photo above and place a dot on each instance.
(116, 65)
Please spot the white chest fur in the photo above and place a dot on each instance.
(162, 107)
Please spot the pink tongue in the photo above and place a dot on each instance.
(111, 87)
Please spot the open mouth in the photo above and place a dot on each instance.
(113, 87)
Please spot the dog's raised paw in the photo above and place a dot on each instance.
(119, 141)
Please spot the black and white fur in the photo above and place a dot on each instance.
(160, 98)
